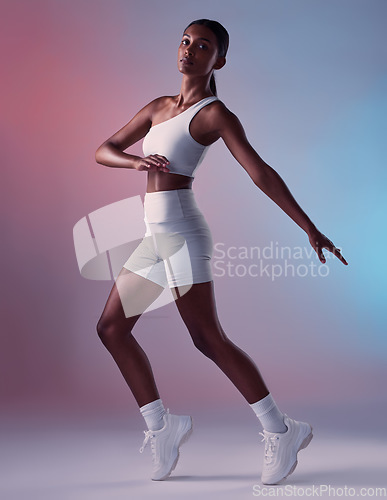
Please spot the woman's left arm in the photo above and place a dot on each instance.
(269, 181)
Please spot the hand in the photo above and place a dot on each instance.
(152, 163)
(320, 241)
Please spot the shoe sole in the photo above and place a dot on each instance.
(183, 440)
(302, 446)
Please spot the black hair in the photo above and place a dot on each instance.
(222, 38)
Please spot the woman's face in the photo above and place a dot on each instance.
(198, 51)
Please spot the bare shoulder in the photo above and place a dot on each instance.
(219, 121)
(161, 103)
(154, 106)
(139, 125)
(218, 115)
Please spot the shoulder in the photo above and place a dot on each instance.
(219, 116)
(218, 112)
(160, 103)
(149, 110)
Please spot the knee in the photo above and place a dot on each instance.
(108, 331)
(209, 344)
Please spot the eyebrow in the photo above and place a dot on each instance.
(201, 38)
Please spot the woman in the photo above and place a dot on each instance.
(177, 248)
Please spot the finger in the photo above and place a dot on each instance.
(319, 252)
(147, 166)
(154, 164)
(337, 253)
(159, 160)
(157, 167)
(321, 256)
(162, 159)
(150, 167)
(152, 161)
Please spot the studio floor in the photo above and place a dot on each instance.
(88, 460)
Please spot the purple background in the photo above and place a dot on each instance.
(307, 80)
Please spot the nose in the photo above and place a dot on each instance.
(188, 50)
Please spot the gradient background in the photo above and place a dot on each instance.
(308, 81)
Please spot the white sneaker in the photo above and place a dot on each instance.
(165, 444)
(281, 450)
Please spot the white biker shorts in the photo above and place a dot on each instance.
(177, 247)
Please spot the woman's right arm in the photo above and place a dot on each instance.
(111, 152)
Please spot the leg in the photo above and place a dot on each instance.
(198, 310)
(130, 296)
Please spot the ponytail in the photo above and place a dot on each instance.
(213, 84)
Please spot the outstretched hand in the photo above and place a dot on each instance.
(320, 241)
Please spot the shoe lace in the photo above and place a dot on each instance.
(270, 446)
(148, 436)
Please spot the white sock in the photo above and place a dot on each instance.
(153, 413)
(271, 418)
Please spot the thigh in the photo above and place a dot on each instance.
(197, 308)
(129, 297)
(146, 262)
(186, 248)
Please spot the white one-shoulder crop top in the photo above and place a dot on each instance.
(173, 140)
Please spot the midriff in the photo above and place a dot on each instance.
(165, 181)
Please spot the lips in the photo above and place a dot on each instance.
(186, 60)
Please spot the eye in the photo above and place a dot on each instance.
(185, 41)
(203, 46)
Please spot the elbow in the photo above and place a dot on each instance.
(257, 178)
(262, 182)
(100, 154)
(264, 177)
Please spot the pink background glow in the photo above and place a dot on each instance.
(307, 80)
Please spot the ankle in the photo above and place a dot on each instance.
(272, 420)
(153, 414)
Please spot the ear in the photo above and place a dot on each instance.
(220, 62)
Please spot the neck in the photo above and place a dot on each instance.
(193, 90)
